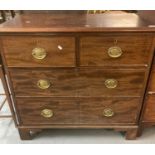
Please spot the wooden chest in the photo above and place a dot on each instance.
(77, 71)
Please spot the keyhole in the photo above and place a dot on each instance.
(115, 42)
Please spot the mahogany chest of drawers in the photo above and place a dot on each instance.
(79, 71)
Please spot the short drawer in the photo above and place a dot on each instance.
(149, 113)
(43, 51)
(77, 82)
(115, 50)
(109, 110)
(47, 111)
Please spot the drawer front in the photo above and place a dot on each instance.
(47, 111)
(109, 110)
(149, 114)
(152, 80)
(110, 82)
(115, 50)
(82, 82)
(61, 82)
(27, 51)
(77, 111)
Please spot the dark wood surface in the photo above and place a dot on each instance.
(152, 83)
(151, 86)
(147, 15)
(65, 111)
(77, 111)
(78, 82)
(94, 50)
(18, 51)
(125, 110)
(149, 114)
(74, 22)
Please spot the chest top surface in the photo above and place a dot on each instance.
(74, 22)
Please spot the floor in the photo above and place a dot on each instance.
(9, 134)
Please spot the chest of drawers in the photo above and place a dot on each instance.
(77, 71)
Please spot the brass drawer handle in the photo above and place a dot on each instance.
(47, 113)
(43, 84)
(108, 112)
(115, 52)
(111, 83)
(39, 53)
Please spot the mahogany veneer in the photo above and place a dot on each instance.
(78, 82)
(93, 50)
(23, 46)
(78, 110)
(79, 71)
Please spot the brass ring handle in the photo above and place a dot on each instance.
(39, 53)
(47, 113)
(111, 83)
(115, 52)
(43, 84)
(108, 112)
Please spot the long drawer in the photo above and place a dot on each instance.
(115, 50)
(77, 82)
(36, 111)
(35, 51)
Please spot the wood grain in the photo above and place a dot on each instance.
(77, 23)
(64, 111)
(149, 113)
(125, 110)
(18, 51)
(136, 50)
(151, 85)
(77, 82)
(77, 111)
